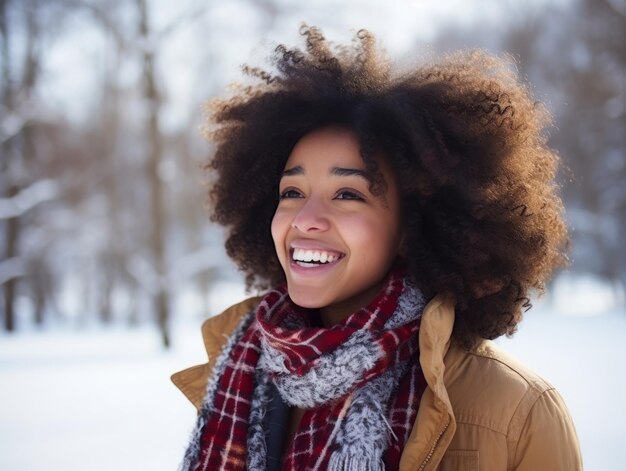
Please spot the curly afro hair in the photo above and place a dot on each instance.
(482, 218)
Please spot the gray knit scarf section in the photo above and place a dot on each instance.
(363, 436)
(332, 377)
(257, 449)
(193, 448)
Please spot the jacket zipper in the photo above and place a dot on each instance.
(432, 450)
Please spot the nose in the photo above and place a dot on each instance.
(311, 217)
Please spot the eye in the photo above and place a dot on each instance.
(351, 195)
(289, 193)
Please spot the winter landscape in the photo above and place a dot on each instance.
(108, 265)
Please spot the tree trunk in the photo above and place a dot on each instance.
(11, 225)
(155, 155)
(12, 235)
(17, 149)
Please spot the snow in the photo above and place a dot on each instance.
(101, 399)
(97, 400)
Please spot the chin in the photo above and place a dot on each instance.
(306, 298)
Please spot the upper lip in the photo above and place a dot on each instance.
(314, 245)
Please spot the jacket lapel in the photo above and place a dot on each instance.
(435, 425)
(215, 332)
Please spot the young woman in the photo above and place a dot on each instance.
(400, 221)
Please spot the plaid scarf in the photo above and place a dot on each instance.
(359, 383)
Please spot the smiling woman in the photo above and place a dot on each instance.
(399, 222)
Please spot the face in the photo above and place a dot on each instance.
(335, 240)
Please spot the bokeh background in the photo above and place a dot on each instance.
(108, 264)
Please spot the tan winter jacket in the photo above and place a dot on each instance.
(482, 410)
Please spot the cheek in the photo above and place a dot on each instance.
(378, 230)
(375, 242)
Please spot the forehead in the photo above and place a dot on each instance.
(330, 146)
(335, 151)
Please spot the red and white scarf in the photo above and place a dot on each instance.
(359, 383)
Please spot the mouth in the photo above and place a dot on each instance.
(312, 258)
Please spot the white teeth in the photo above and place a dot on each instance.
(302, 255)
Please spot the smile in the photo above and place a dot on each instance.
(314, 258)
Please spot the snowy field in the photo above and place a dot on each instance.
(101, 399)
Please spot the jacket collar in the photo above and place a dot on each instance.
(215, 333)
(435, 425)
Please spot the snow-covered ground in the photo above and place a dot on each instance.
(101, 399)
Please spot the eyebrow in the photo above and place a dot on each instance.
(297, 170)
(337, 171)
(349, 172)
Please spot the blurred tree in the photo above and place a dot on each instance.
(574, 56)
(596, 141)
(9, 188)
(137, 254)
(22, 184)
(579, 62)
(154, 162)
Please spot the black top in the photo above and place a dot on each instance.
(276, 423)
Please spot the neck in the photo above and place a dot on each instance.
(335, 313)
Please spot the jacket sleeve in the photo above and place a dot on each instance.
(548, 438)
